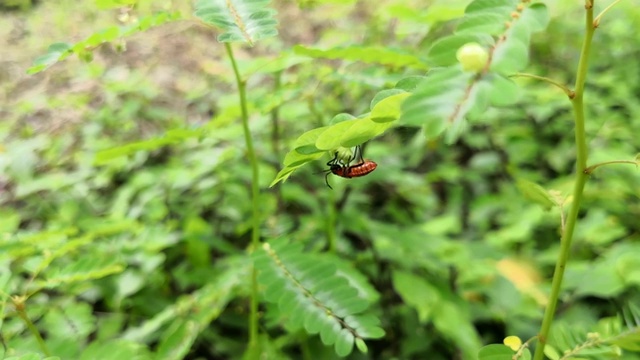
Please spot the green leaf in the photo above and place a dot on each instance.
(331, 139)
(503, 91)
(629, 341)
(369, 55)
(341, 117)
(383, 95)
(495, 352)
(294, 159)
(50, 181)
(464, 335)
(535, 193)
(174, 136)
(240, 20)
(308, 288)
(55, 53)
(344, 343)
(177, 340)
(441, 101)
(117, 349)
(362, 131)
(388, 109)
(488, 23)
(416, 293)
(510, 56)
(536, 17)
(305, 144)
(629, 268)
(356, 279)
(9, 220)
(491, 6)
(329, 332)
(601, 280)
(551, 352)
(360, 344)
(366, 325)
(75, 320)
(203, 305)
(60, 51)
(89, 267)
(409, 83)
(108, 4)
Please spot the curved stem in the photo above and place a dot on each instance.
(275, 117)
(596, 21)
(593, 167)
(255, 194)
(331, 223)
(18, 302)
(562, 87)
(581, 178)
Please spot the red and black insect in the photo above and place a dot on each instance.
(348, 171)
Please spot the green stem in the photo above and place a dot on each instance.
(331, 223)
(275, 117)
(593, 167)
(562, 87)
(20, 309)
(581, 178)
(255, 194)
(596, 21)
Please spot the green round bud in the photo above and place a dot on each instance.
(472, 57)
(344, 154)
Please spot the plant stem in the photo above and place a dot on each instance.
(592, 168)
(255, 194)
(275, 117)
(331, 223)
(596, 21)
(20, 309)
(581, 178)
(562, 87)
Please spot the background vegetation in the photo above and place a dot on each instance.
(125, 201)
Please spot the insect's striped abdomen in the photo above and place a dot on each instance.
(361, 169)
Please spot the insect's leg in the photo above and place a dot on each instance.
(355, 155)
(326, 180)
(333, 161)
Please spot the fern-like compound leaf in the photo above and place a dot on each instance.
(313, 293)
(240, 20)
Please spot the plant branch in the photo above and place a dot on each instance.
(523, 347)
(275, 117)
(255, 194)
(578, 188)
(596, 21)
(18, 302)
(570, 93)
(592, 168)
(331, 222)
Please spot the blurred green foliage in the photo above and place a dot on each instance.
(124, 186)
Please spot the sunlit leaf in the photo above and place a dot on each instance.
(388, 109)
(331, 138)
(495, 352)
(60, 51)
(536, 193)
(371, 55)
(416, 293)
(240, 20)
